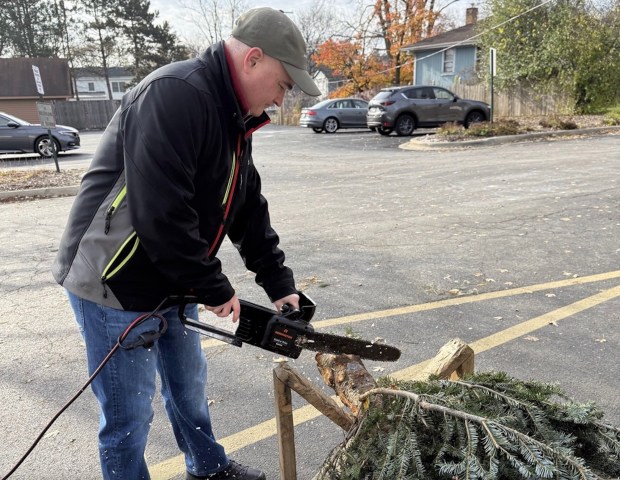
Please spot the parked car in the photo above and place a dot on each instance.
(17, 135)
(403, 109)
(330, 115)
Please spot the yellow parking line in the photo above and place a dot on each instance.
(451, 302)
(523, 328)
(175, 466)
(464, 300)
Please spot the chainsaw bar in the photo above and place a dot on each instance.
(327, 343)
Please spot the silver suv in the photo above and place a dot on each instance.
(403, 109)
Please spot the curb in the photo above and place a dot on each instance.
(485, 142)
(39, 193)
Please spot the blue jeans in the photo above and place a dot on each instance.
(126, 385)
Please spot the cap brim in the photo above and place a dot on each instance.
(302, 79)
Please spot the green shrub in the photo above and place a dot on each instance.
(612, 117)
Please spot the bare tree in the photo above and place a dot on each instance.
(213, 19)
(317, 24)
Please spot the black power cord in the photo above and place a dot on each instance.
(145, 340)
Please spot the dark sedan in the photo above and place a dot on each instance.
(17, 135)
(331, 115)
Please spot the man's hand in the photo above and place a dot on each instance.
(231, 306)
(292, 299)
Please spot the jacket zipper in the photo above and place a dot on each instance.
(228, 196)
(114, 266)
(114, 207)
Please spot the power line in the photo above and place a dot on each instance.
(463, 41)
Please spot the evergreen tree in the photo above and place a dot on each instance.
(28, 28)
(4, 30)
(487, 427)
(100, 32)
(148, 45)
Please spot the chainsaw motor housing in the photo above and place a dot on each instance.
(273, 331)
(259, 326)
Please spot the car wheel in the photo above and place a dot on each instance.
(330, 125)
(474, 117)
(384, 130)
(405, 125)
(317, 129)
(45, 148)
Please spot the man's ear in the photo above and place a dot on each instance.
(252, 57)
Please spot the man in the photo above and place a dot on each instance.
(172, 176)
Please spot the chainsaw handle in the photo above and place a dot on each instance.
(306, 310)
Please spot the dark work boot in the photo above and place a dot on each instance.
(234, 471)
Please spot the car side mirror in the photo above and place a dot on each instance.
(456, 98)
(12, 124)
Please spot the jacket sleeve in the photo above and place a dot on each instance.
(257, 242)
(164, 130)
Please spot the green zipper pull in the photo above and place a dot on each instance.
(113, 207)
(108, 218)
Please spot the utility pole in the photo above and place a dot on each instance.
(492, 68)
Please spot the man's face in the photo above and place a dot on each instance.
(267, 82)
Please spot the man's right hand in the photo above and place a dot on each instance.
(231, 306)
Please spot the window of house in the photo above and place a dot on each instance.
(448, 61)
(91, 86)
(118, 87)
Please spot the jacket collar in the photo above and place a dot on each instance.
(232, 99)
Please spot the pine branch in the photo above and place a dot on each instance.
(572, 463)
(509, 400)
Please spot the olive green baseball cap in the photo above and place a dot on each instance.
(277, 36)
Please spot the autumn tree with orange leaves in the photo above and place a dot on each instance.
(402, 23)
(346, 59)
(373, 57)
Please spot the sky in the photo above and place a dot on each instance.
(169, 9)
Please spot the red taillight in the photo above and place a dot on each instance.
(310, 112)
(387, 103)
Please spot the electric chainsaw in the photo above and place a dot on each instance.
(286, 333)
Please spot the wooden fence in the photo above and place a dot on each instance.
(520, 102)
(85, 115)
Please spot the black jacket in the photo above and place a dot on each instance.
(172, 176)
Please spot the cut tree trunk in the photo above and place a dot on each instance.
(348, 376)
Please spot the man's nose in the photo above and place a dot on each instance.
(279, 99)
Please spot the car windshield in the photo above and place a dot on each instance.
(14, 119)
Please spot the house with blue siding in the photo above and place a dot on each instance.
(448, 58)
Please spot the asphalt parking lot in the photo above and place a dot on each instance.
(512, 248)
